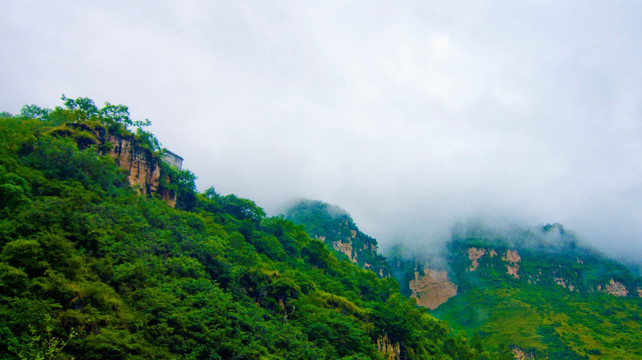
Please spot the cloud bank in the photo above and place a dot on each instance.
(410, 116)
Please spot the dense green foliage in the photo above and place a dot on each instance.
(550, 321)
(556, 307)
(90, 269)
(334, 226)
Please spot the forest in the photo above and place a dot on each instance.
(92, 267)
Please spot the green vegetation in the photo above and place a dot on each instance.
(557, 308)
(92, 269)
(335, 227)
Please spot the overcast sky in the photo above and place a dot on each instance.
(411, 115)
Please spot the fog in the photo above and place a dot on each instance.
(411, 116)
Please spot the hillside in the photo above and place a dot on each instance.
(109, 252)
(539, 293)
(543, 289)
(335, 227)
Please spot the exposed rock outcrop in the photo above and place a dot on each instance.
(564, 283)
(390, 350)
(142, 167)
(474, 254)
(513, 259)
(144, 172)
(432, 289)
(521, 354)
(345, 248)
(614, 288)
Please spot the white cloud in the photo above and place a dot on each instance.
(410, 116)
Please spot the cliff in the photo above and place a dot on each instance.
(142, 165)
(429, 284)
(433, 288)
(143, 168)
(389, 349)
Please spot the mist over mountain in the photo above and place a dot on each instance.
(108, 250)
(542, 287)
(413, 116)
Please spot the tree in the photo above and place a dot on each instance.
(34, 112)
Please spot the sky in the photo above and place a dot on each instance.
(411, 115)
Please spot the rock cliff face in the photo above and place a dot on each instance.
(429, 284)
(144, 171)
(432, 289)
(346, 249)
(390, 350)
(142, 167)
(512, 259)
(521, 354)
(614, 288)
(474, 254)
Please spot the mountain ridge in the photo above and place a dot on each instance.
(488, 271)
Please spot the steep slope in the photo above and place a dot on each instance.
(335, 227)
(93, 268)
(541, 292)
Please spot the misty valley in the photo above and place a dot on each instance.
(109, 251)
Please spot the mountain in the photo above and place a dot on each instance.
(109, 252)
(536, 293)
(335, 227)
(541, 288)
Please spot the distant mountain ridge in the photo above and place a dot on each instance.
(549, 255)
(542, 288)
(540, 291)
